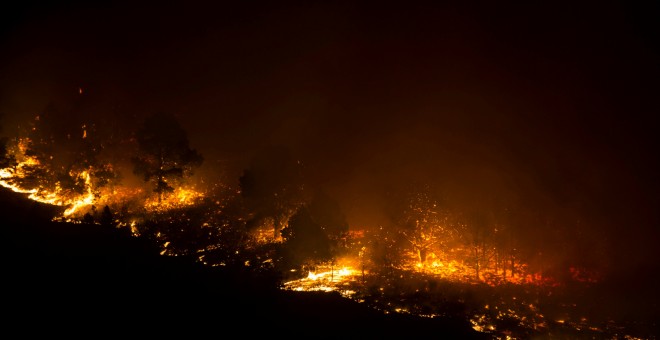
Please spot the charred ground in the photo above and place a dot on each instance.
(551, 106)
(78, 279)
(70, 279)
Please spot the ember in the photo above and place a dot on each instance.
(424, 264)
(493, 166)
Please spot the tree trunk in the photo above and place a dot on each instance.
(332, 271)
(161, 180)
(476, 262)
(421, 253)
(276, 228)
(513, 265)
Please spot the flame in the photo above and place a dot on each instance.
(451, 264)
(181, 197)
(327, 278)
(84, 200)
(53, 197)
(76, 205)
(11, 176)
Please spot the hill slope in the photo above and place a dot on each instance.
(77, 279)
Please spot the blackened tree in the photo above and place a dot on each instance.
(7, 160)
(481, 231)
(327, 213)
(273, 188)
(164, 155)
(304, 240)
(382, 250)
(107, 217)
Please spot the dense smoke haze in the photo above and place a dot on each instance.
(545, 108)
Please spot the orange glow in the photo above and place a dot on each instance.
(77, 204)
(181, 197)
(584, 275)
(55, 195)
(327, 279)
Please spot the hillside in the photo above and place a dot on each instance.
(73, 279)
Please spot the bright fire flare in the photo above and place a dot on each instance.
(327, 279)
(181, 197)
(77, 204)
(54, 196)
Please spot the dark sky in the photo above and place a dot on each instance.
(549, 105)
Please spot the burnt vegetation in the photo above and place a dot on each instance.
(434, 268)
(339, 170)
(76, 279)
(453, 271)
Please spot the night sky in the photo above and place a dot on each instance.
(549, 106)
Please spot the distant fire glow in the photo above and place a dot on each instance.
(429, 251)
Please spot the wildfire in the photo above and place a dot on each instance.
(327, 279)
(12, 177)
(584, 275)
(181, 197)
(426, 256)
(27, 175)
(82, 201)
(454, 267)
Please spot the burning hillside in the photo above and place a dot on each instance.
(433, 260)
(489, 165)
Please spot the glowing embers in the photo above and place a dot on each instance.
(450, 269)
(504, 315)
(457, 270)
(580, 274)
(327, 279)
(179, 198)
(24, 177)
(12, 177)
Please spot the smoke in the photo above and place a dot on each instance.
(537, 108)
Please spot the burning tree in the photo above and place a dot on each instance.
(491, 237)
(58, 161)
(482, 234)
(164, 154)
(381, 250)
(422, 222)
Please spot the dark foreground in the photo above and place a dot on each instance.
(81, 280)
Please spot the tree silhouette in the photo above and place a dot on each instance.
(7, 160)
(107, 217)
(328, 214)
(304, 239)
(422, 222)
(272, 187)
(164, 154)
(481, 231)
